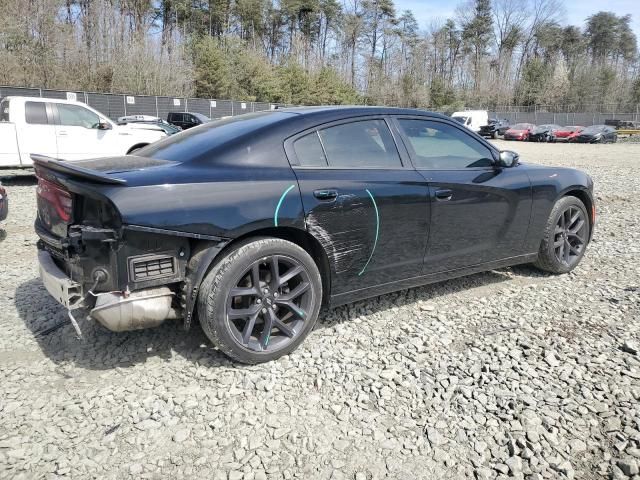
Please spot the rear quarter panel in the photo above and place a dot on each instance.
(222, 202)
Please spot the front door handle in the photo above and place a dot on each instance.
(325, 194)
(444, 195)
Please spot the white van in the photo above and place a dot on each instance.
(65, 130)
(472, 119)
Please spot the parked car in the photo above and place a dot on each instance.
(568, 133)
(267, 216)
(495, 127)
(622, 124)
(64, 129)
(519, 131)
(186, 120)
(472, 119)
(136, 120)
(4, 203)
(598, 134)
(544, 133)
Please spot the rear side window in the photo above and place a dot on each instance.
(76, 116)
(361, 144)
(439, 146)
(35, 113)
(309, 151)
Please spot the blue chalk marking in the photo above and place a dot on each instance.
(375, 243)
(275, 215)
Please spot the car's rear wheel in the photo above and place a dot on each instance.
(261, 300)
(565, 238)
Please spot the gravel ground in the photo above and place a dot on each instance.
(510, 373)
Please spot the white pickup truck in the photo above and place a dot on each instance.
(65, 130)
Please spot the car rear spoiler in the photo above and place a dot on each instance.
(74, 170)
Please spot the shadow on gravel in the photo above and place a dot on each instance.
(428, 292)
(101, 349)
(3, 234)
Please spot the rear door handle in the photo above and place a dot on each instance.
(444, 195)
(325, 194)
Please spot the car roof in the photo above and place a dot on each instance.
(45, 99)
(347, 111)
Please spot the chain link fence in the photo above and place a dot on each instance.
(118, 105)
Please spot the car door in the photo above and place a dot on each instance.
(78, 135)
(367, 207)
(37, 133)
(479, 213)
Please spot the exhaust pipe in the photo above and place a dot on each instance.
(135, 311)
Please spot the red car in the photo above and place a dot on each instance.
(568, 133)
(519, 131)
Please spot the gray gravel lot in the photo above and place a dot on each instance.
(510, 373)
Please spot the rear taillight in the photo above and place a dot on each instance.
(56, 198)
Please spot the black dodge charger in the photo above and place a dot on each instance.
(252, 223)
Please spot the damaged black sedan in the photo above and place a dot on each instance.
(249, 225)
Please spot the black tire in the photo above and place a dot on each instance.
(494, 135)
(573, 244)
(215, 302)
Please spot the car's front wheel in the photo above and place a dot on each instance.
(565, 236)
(261, 300)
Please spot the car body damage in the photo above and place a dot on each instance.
(138, 239)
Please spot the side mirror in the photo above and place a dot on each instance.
(103, 126)
(508, 159)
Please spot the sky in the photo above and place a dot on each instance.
(576, 10)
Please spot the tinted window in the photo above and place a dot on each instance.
(35, 113)
(199, 142)
(366, 143)
(438, 146)
(202, 118)
(309, 151)
(4, 111)
(176, 117)
(76, 116)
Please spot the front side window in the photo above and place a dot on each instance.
(76, 116)
(35, 113)
(439, 146)
(360, 144)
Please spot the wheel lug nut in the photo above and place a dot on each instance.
(259, 301)
(264, 310)
(275, 295)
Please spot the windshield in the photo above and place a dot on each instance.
(571, 129)
(462, 120)
(520, 126)
(197, 142)
(593, 129)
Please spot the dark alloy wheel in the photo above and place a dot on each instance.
(260, 300)
(565, 237)
(570, 236)
(269, 304)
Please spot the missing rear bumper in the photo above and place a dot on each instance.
(67, 292)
